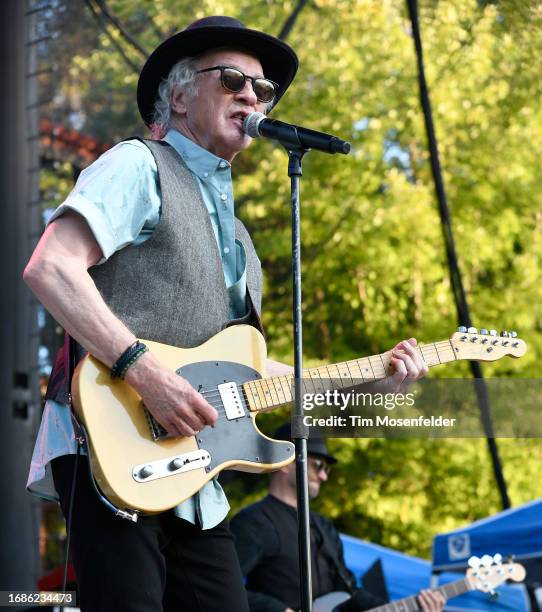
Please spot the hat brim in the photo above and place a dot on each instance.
(279, 61)
(329, 458)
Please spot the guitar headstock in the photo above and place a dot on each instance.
(489, 572)
(486, 345)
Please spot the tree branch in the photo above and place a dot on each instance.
(290, 22)
(104, 8)
(115, 43)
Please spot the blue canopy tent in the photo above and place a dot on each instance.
(515, 532)
(406, 575)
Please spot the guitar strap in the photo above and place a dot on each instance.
(329, 550)
(75, 353)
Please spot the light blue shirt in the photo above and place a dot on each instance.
(119, 197)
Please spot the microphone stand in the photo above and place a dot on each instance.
(299, 430)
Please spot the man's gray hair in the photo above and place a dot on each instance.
(182, 76)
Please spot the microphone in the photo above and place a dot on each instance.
(257, 124)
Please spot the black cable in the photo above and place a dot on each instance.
(458, 290)
(69, 520)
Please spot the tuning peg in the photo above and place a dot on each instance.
(493, 595)
(462, 329)
(472, 330)
(492, 332)
(484, 332)
(513, 334)
(497, 558)
(504, 334)
(474, 562)
(487, 560)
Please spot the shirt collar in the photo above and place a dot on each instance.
(201, 162)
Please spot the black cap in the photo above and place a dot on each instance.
(279, 61)
(315, 446)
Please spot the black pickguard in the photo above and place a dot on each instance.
(235, 439)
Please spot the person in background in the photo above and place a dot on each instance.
(266, 543)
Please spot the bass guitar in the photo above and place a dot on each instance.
(485, 575)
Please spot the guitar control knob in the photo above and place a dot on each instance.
(146, 471)
(484, 332)
(175, 464)
(461, 329)
(472, 330)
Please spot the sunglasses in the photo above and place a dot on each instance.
(234, 80)
(320, 465)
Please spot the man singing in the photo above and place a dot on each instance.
(147, 246)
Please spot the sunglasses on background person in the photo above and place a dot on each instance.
(320, 465)
(234, 80)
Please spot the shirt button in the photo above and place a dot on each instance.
(205, 174)
(222, 164)
(223, 197)
(226, 250)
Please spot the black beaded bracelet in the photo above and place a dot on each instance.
(128, 358)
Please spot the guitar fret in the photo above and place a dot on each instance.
(268, 393)
(355, 368)
(254, 399)
(429, 354)
(344, 372)
(260, 397)
(378, 366)
(317, 381)
(277, 391)
(286, 380)
(349, 373)
(367, 372)
(445, 352)
(336, 369)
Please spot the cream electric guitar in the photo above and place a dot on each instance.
(139, 468)
(485, 575)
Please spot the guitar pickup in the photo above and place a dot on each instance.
(231, 400)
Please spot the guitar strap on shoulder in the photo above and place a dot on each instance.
(329, 550)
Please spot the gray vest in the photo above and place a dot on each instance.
(170, 288)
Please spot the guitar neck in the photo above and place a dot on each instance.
(269, 393)
(410, 604)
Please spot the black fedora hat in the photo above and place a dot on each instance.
(279, 61)
(315, 446)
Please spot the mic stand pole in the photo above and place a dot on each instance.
(299, 431)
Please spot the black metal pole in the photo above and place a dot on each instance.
(299, 432)
(455, 273)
